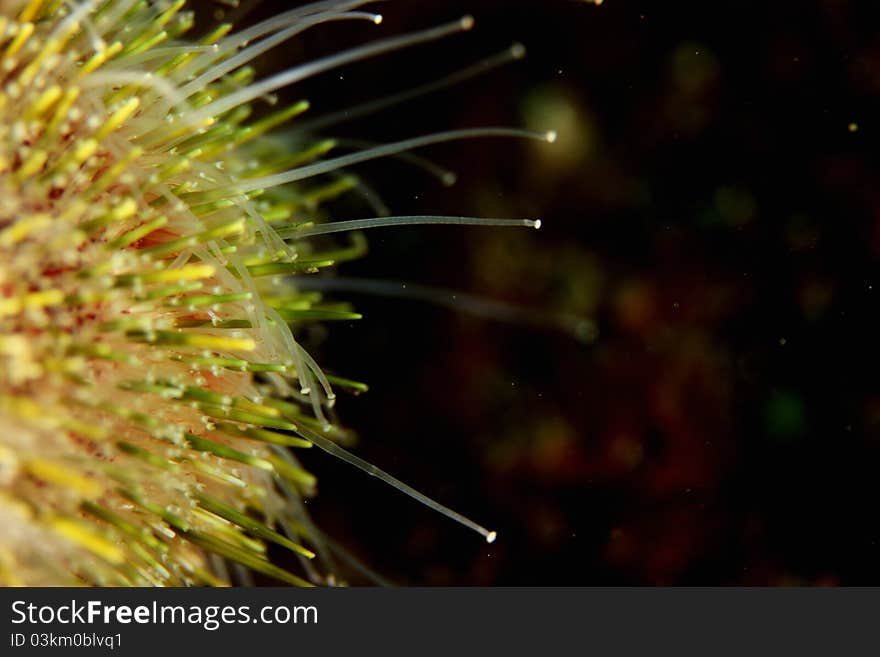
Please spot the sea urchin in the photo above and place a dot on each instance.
(151, 387)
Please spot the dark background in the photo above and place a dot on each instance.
(711, 204)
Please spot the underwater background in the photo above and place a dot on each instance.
(711, 207)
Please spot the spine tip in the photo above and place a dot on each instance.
(551, 136)
(467, 22)
(491, 536)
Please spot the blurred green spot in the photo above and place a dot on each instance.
(694, 67)
(553, 107)
(784, 416)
